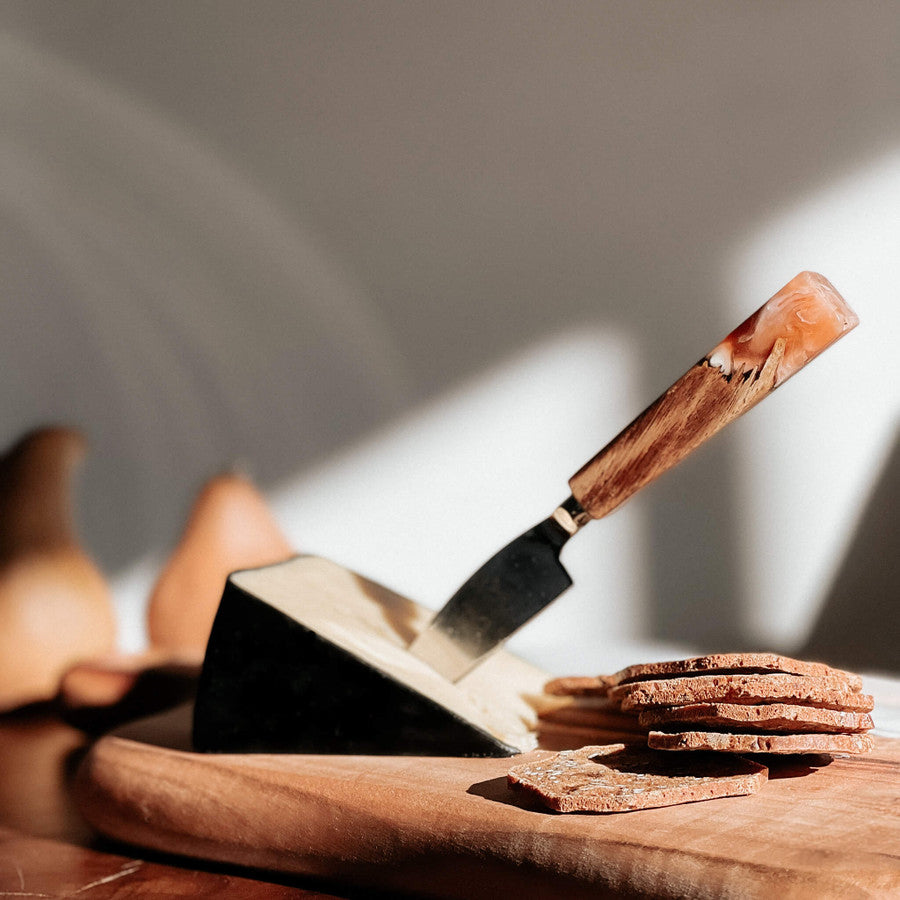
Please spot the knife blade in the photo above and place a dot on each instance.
(794, 326)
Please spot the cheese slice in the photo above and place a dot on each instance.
(308, 657)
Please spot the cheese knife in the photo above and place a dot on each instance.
(800, 321)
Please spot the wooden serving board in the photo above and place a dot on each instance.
(450, 827)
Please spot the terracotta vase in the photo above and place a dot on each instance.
(55, 605)
(229, 527)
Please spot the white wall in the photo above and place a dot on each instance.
(299, 234)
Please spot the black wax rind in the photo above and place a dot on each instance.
(270, 684)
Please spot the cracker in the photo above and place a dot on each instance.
(733, 663)
(760, 743)
(569, 737)
(829, 692)
(780, 717)
(578, 686)
(621, 777)
(544, 703)
(592, 717)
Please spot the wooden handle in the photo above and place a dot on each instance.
(795, 325)
(699, 404)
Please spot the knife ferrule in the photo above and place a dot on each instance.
(570, 516)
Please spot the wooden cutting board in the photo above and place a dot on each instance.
(450, 827)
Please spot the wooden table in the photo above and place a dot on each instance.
(47, 850)
(450, 827)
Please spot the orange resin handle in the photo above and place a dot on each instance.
(804, 318)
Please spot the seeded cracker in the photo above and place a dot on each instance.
(620, 777)
(763, 717)
(761, 743)
(830, 692)
(733, 663)
(578, 686)
(579, 716)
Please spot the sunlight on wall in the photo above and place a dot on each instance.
(809, 459)
(422, 505)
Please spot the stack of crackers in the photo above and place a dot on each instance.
(727, 704)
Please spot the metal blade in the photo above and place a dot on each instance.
(510, 588)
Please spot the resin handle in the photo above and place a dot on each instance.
(804, 318)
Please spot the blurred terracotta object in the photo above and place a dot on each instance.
(103, 693)
(55, 605)
(230, 527)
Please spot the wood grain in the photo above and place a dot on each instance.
(699, 404)
(48, 850)
(38, 867)
(450, 827)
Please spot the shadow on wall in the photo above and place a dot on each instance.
(857, 627)
(480, 176)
